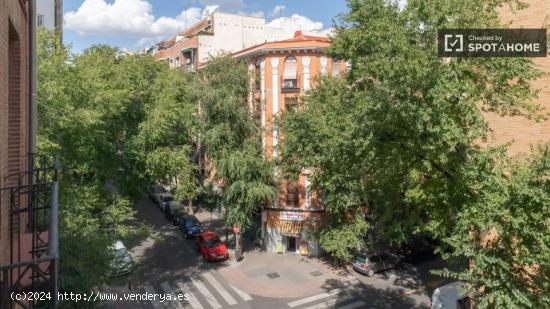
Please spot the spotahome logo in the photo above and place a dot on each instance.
(492, 43)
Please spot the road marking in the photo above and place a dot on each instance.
(219, 288)
(207, 295)
(409, 292)
(313, 298)
(167, 289)
(193, 301)
(242, 294)
(156, 304)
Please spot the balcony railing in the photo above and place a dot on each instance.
(31, 198)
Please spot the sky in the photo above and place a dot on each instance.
(135, 24)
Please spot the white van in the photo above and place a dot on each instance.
(451, 296)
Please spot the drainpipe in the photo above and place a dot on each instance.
(32, 87)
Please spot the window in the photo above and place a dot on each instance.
(336, 67)
(292, 199)
(177, 64)
(171, 63)
(40, 20)
(290, 74)
(291, 104)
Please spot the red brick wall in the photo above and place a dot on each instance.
(521, 131)
(13, 104)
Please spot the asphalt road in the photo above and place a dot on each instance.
(167, 263)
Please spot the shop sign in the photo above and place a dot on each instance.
(291, 216)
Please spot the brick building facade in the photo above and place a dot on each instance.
(282, 72)
(14, 107)
(28, 187)
(522, 132)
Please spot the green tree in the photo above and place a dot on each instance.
(168, 135)
(232, 140)
(90, 105)
(399, 136)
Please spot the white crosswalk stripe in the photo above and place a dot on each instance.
(206, 293)
(242, 294)
(167, 289)
(220, 289)
(313, 298)
(193, 301)
(156, 304)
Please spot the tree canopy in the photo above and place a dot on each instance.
(402, 140)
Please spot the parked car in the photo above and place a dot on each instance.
(418, 250)
(211, 247)
(452, 296)
(121, 263)
(190, 226)
(369, 264)
(174, 210)
(154, 192)
(165, 198)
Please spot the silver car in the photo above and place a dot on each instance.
(159, 195)
(369, 264)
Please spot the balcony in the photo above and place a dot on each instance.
(31, 200)
(289, 85)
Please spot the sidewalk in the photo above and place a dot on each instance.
(284, 275)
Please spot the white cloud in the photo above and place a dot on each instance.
(291, 23)
(134, 18)
(277, 10)
(127, 18)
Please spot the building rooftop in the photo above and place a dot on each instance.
(299, 41)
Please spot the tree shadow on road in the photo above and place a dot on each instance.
(372, 297)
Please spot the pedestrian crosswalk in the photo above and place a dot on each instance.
(205, 291)
(325, 300)
(209, 291)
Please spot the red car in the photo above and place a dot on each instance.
(211, 247)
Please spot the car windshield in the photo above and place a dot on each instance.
(212, 242)
(191, 222)
(360, 259)
(120, 252)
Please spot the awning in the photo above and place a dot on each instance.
(290, 228)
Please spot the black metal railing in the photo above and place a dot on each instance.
(31, 198)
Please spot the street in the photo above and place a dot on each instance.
(168, 263)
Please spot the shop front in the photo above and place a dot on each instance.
(288, 231)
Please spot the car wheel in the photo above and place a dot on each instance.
(370, 273)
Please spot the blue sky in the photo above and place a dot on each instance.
(134, 24)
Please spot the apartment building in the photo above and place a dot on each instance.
(49, 14)
(220, 33)
(521, 132)
(282, 71)
(28, 208)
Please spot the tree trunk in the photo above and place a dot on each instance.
(191, 211)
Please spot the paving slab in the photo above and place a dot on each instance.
(282, 276)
